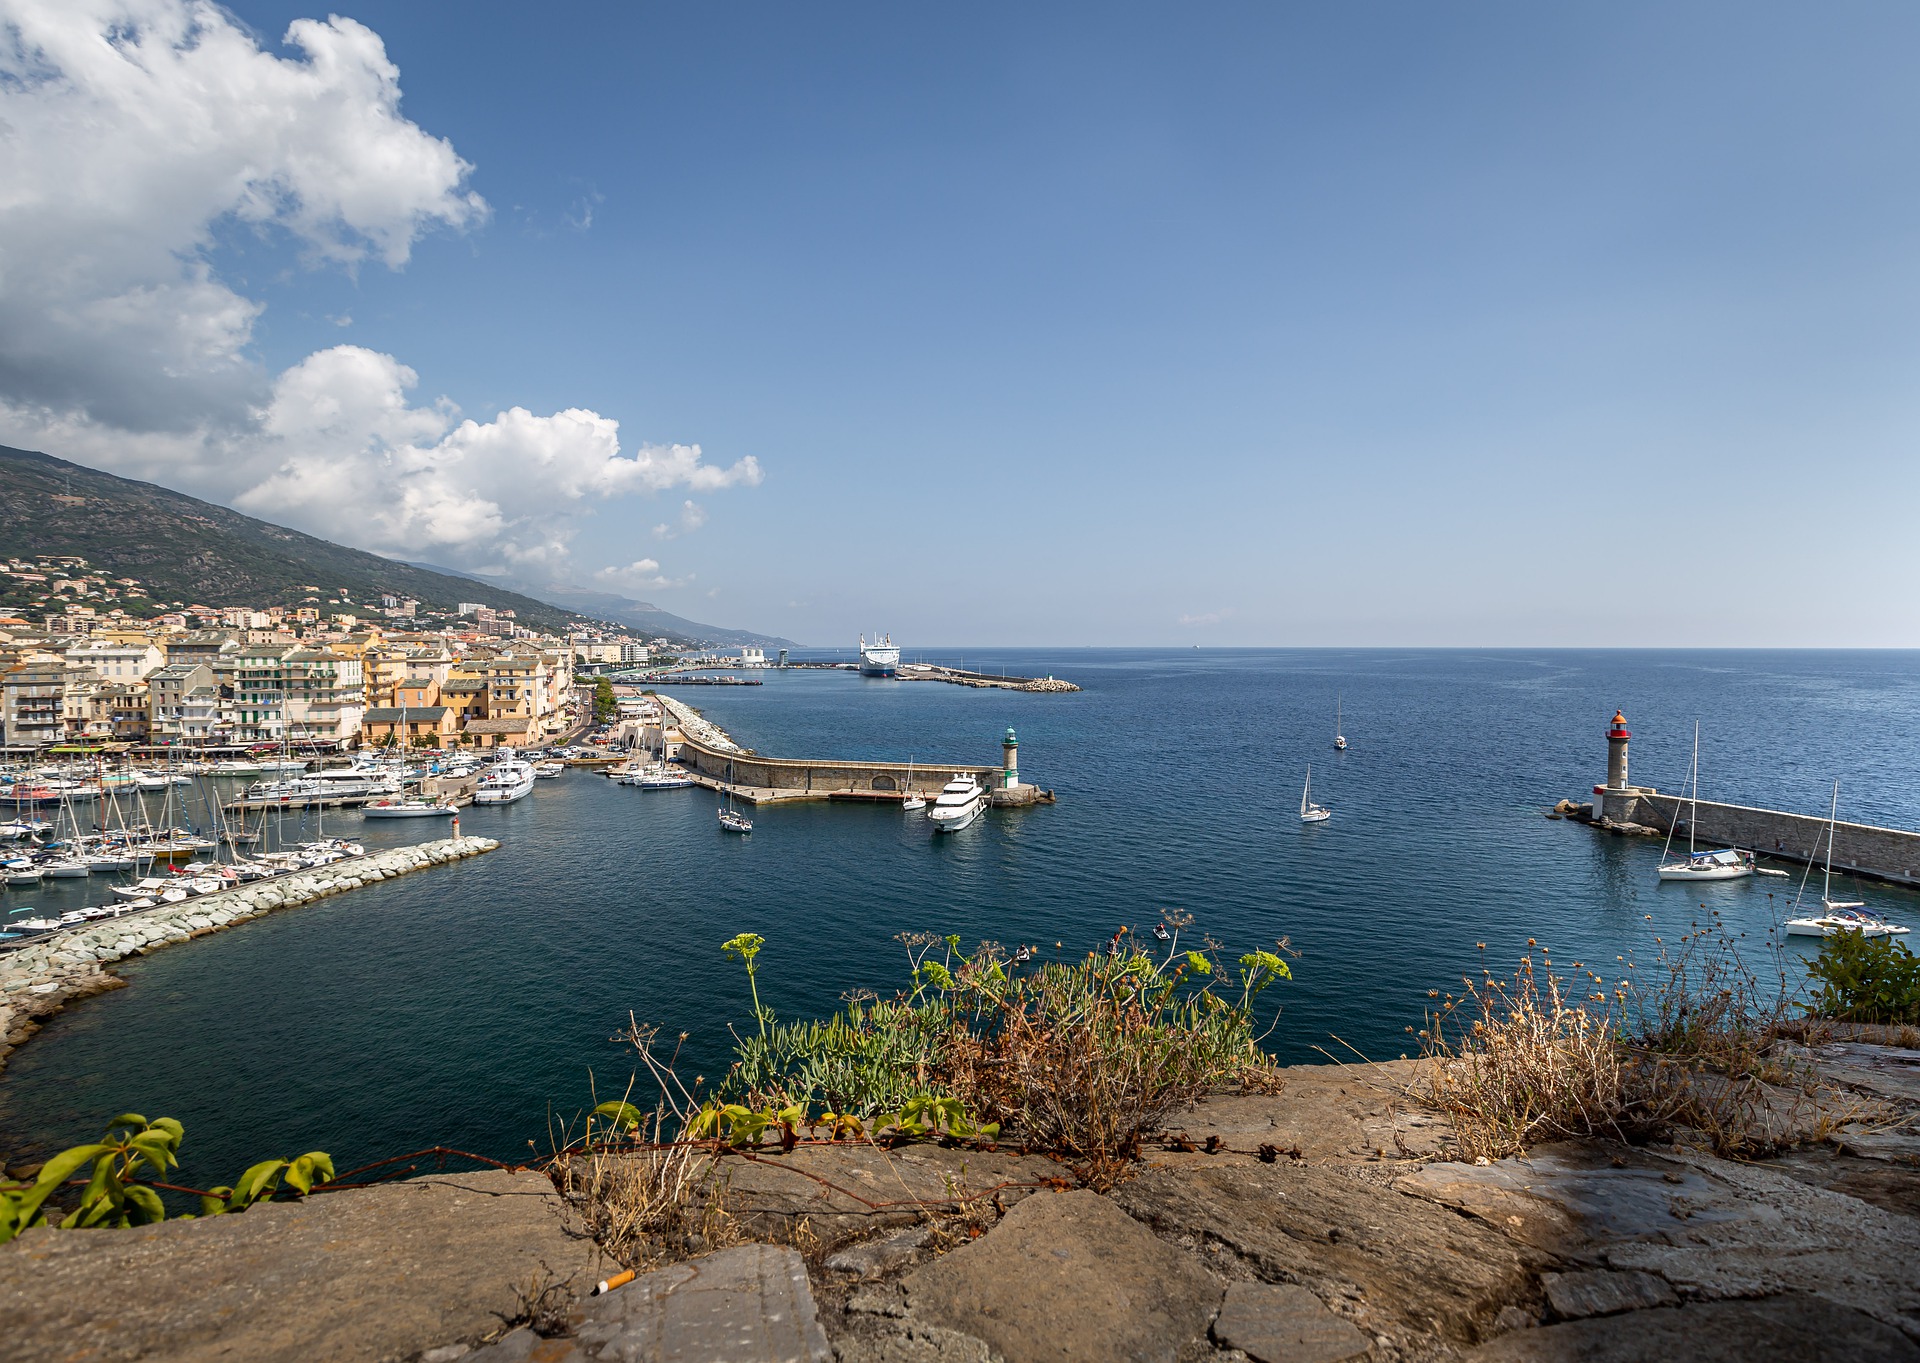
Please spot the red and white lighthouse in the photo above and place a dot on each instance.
(1617, 737)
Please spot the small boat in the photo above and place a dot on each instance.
(958, 804)
(152, 885)
(662, 778)
(913, 800)
(407, 809)
(1838, 915)
(108, 861)
(731, 819)
(1724, 864)
(1160, 933)
(1339, 739)
(1769, 871)
(35, 924)
(65, 869)
(1023, 955)
(28, 874)
(1309, 811)
(546, 771)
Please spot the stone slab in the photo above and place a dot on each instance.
(1283, 1323)
(847, 1192)
(1597, 1292)
(1401, 1263)
(1329, 1113)
(375, 1273)
(1711, 1228)
(877, 1258)
(1784, 1329)
(1069, 1276)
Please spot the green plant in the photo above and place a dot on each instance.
(1865, 979)
(114, 1195)
(604, 704)
(1083, 1057)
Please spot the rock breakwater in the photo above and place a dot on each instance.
(40, 979)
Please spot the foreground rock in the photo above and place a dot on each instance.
(1069, 1276)
(1785, 1329)
(378, 1273)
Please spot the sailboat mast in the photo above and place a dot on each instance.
(1826, 879)
(1693, 817)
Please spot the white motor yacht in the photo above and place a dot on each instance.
(505, 782)
(546, 771)
(958, 804)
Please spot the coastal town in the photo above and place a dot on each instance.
(86, 659)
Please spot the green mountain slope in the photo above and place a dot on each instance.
(184, 549)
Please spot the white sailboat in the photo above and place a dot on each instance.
(731, 819)
(1339, 739)
(913, 801)
(1838, 915)
(1309, 811)
(1720, 864)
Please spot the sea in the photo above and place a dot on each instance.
(477, 1006)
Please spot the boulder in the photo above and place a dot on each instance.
(1783, 1329)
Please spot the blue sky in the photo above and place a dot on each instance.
(1394, 324)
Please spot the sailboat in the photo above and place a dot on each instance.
(1309, 811)
(913, 801)
(1339, 739)
(1838, 915)
(1722, 864)
(731, 819)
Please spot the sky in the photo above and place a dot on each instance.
(1396, 324)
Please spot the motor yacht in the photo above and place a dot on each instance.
(407, 809)
(506, 781)
(958, 804)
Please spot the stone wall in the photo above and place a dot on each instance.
(1890, 854)
(784, 773)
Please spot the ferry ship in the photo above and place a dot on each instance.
(879, 659)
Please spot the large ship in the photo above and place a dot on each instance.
(880, 658)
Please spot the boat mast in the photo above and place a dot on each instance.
(1693, 816)
(1306, 790)
(1826, 879)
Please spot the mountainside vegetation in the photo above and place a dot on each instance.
(183, 549)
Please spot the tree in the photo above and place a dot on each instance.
(603, 702)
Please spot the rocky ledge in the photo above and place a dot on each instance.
(41, 978)
(1330, 1221)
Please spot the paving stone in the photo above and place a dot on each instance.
(749, 1304)
(1596, 1292)
(1784, 1329)
(912, 1343)
(1285, 1323)
(1068, 1276)
(1401, 1261)
(378, 1273)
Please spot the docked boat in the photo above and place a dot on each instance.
(505, 781)
(731, 819)
(546, 771)
(21, 873)
(659, 777)
(880, 658)
(1309, 811)
(1838, 915)
(65, 868)
(151, 780)
(913, 801)
(407, 809)
(1721, 864)
(958, 804)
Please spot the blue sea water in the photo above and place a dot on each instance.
(472, 1006)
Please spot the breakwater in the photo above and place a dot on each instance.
(1885, 854)
(715, 760)
(39, 979)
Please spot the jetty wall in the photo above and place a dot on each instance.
(40, 978)
(1889, 854)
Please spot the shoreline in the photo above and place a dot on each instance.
(39, 980)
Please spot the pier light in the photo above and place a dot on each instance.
(1010, 752)
(1617, 737)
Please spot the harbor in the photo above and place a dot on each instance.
(1864, 851)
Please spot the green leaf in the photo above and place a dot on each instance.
(255, 1183)
(623, 1114)
(146, 1205)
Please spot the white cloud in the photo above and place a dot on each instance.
(641, 575)
(692, 517)
(1206, 618)
(133, 133)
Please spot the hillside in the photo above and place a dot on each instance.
(184, 549)
(642, 616)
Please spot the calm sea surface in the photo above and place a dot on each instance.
(463, 1006)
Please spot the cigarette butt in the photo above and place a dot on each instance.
(617, 1280)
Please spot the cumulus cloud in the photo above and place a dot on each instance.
(133, 135)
